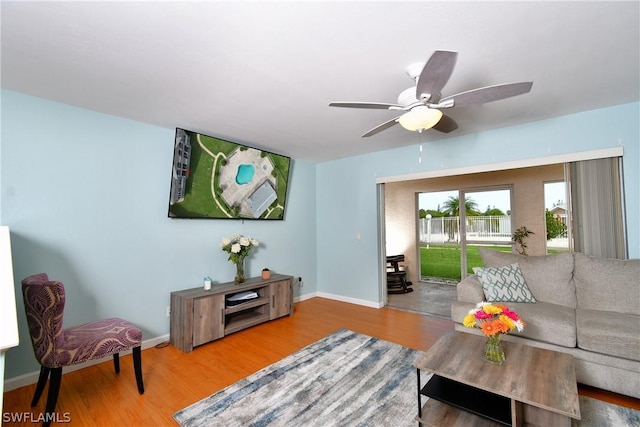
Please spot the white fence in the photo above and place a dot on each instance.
(479, 228)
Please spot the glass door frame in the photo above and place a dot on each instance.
(462, 194)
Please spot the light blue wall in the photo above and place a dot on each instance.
(346, 188)
(85, 196)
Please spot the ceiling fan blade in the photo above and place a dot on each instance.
(489, 93)
(435, 75)
(374, 105)
(380, 128)
(446, 124)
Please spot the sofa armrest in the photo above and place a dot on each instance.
(470, 290)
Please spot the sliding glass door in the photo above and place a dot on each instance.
(486, 222)
(450, 232)
(439, 236)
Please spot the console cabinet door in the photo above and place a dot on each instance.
(281, 298)
(208, 319)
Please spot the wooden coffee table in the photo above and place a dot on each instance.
(533, 387)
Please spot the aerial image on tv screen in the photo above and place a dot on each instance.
(214, 178)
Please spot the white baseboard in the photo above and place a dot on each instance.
(32, 377)
(338, 298)
(351, 300)
(305, 297)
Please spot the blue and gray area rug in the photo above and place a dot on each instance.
(345, 379)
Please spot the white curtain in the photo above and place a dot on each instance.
(597, 203)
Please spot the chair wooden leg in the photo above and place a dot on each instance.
(52, 397)
(137, 367)
(116, 362)
(42, 381)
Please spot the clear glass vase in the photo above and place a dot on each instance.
(493, 351)
(239, 272)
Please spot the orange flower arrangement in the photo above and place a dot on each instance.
(493, 319)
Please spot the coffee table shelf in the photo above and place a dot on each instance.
(471, 399)
(438, 414)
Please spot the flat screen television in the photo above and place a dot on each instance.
(214, 178)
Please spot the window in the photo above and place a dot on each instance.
(556, 214)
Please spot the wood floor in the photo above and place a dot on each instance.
(95, 396)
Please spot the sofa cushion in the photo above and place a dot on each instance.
(504, 284)
(548, 277)
(470, 290)
(609, 333)
(551, 323)
(460, 309)
(608, 284)
(544, 322)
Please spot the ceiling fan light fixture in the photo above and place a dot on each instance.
(420, 118)
(421, 104)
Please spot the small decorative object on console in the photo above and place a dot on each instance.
(238, 248)
(494, 320)
(266, 274)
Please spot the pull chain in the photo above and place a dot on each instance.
(420, 137)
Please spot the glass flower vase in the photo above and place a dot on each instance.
(493, 351)
(239, 272)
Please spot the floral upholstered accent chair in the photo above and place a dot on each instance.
(56, 347)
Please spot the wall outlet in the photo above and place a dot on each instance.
(300, 284)
(168, 311)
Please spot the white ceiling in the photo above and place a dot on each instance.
(263, 73)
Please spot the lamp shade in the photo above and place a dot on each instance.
(420, 117)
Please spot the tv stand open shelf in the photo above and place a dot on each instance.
(199, 316)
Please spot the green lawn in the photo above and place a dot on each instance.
(444, 260)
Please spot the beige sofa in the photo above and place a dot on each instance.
(585, 306)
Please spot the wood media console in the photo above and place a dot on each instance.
(199, 316)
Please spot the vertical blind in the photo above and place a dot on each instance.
(597, 207)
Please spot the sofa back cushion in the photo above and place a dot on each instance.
(608, 284)
(549, 277)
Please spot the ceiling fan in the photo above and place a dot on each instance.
(421, 104)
